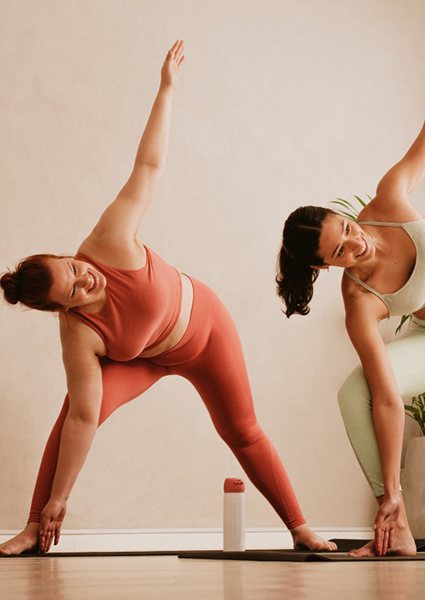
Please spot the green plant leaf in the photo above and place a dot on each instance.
(348, 215)
(344, 203)
(403, 320)
(347, 211)
(362, 202)
(353, 212)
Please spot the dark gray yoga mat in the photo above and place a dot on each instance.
(344, 546)
(290, 555)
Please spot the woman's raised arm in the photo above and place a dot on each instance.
(122, 219)
(405, 175)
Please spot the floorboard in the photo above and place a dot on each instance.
(167, 577)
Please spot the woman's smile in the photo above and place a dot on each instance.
(93, 282)
(363, 252)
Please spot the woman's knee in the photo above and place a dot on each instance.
(241, 435)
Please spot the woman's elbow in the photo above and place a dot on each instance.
(84, 416)
(387, 401)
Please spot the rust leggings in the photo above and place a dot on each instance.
(210, 356)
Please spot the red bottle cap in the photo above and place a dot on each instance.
(233, 486)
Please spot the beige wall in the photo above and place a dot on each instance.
(280, 103)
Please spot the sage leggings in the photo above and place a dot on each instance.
(407, 354)
(210, 356)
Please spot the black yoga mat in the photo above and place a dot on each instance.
(344, 546)
(37, 554)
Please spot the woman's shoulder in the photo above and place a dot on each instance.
(76, 335)
(388, 212)
(358, 300)
(351, 291)
(125, 255)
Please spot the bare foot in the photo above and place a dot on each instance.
(403, 545)
(24, 541)
(366, 550)
(305, 539)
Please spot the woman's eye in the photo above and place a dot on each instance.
(341, 252)
(74, 270)
(347, 229)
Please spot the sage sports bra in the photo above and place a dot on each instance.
(411, 296)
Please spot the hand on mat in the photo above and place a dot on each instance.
(51, 521)
(385, 523)
(171, 67)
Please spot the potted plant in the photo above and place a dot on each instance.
(417, 411)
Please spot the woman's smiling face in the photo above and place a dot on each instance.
(75, 282)
(343, 243)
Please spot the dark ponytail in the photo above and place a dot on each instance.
(30, 283)
(298, 257)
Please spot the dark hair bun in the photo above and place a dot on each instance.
(9, 283)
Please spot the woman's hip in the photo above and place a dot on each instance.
(207, 314)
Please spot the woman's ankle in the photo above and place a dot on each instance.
(300, 530)
(32, 528)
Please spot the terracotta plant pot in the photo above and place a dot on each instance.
(413, 483)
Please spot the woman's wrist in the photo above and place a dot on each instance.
(392, 493)
(58, 497)
(166, 87)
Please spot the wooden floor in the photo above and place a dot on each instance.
(160, 577)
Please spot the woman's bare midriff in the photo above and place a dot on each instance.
(182, 322)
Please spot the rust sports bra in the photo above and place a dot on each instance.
(142, 306)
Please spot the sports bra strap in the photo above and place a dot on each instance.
(369, 288)
(381, 223)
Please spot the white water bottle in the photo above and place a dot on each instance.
(234, 515)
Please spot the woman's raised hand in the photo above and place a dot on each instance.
(171, 67)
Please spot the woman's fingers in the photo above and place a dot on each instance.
(179, 51)
(385, 542)
(49, 536)
(391, 539)
(176, 52)
(46, 537)
(378, 541)
(57, 534)
(384, 539)
(173, 50)
(174, 47)
(48, 540)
